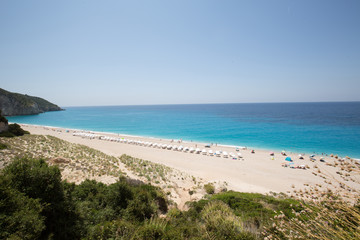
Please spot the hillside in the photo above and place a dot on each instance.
(19, 104)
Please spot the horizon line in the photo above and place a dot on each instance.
(171, 104)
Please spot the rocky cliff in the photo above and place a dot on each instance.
(18, 104)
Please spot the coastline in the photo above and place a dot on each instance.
(254, 172)
(265, 149)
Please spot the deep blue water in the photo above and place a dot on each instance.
(298, 127)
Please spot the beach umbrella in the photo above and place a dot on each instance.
(225, 154)
(239, 155)
(288, 159)
(217, 153)
(211, 152)
(204, 151)
(197, 150)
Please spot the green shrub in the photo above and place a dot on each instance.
(7, 134)
(20, 216)
(36, 180)
(118, 229)
(13, 131)
(17, 130)
(221, 223)
(119, 195)
(255, 206)
(209, 188)
(3, 146)
(152, 229)
(328, 219)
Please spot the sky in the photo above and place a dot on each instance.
(112, 52)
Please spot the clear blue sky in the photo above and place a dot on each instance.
(77, 53)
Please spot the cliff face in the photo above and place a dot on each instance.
(18, 104)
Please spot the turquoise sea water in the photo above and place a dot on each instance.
(297, 127)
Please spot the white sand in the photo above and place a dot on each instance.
(255, 173)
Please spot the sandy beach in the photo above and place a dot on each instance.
(254, 172)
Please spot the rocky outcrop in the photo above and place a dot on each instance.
(3, 124)
(3, 127)
(18, 104)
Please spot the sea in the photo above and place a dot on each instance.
(319, 128)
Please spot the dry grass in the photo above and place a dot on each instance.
(330, 219)
(76, 162)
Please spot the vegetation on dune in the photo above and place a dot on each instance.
(35, 203)
(329, 219)
(79, 160)
(43, 207)
(209, 188)
(68, 211)
(2, 146)
(13, 131)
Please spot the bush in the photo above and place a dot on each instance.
(209, 188)
(13, 131)
(17, 130)
(36, 180)
(257, 206)
(118, 195)
(221, 223)
(141, 207)
(7, 134)
(112, 230)
(154, 228)
(20, 216)
(329, 219)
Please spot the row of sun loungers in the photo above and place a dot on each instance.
(160, 146)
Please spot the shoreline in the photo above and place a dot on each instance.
(254, 172)
(197, 142)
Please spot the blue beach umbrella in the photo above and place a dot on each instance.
(288, 159)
